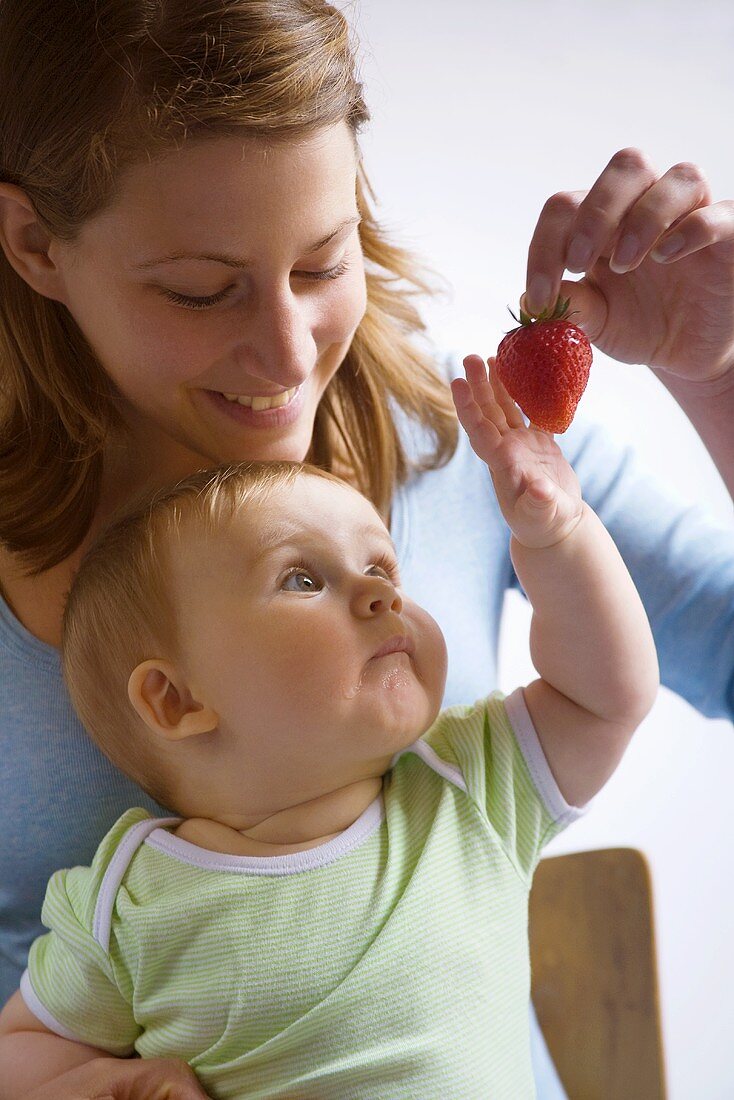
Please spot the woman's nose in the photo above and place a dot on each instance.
(375, 595)
(283, 342)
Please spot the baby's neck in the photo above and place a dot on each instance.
(294, 829)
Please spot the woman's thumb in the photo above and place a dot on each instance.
(588, 308)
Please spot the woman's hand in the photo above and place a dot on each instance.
(537, 490)
(123, 1079)
(673, 312)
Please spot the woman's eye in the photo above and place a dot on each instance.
(301, 580)
(195, 303)
(191, 302)
(329, 273)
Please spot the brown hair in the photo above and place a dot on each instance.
(90, 89)
(120, 609)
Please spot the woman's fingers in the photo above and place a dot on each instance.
(575, 228)
(682, 189)
(602, 219)
(709, 225)
(547, 254)
(628, 213)
(124, 1079)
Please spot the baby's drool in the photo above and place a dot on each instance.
(395, 678)
(350, 691)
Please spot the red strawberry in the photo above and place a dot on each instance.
(544, 366)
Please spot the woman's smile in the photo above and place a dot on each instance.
(243, 409)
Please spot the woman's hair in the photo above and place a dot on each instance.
(90, 89)
(121, 609)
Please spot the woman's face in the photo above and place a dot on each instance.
(260, 303)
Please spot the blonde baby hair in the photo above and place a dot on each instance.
(120, 609)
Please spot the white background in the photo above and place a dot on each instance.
(481, 110)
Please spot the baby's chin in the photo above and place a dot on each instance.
(408, 721)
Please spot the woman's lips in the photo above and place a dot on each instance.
(265, 418)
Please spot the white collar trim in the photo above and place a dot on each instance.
(289, 864)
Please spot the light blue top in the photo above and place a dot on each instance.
(59, 795)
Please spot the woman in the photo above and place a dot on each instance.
(137, 137)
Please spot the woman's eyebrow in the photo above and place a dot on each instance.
(238, 262)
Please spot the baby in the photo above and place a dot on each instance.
(339, 907)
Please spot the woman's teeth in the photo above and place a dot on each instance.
(259, 404)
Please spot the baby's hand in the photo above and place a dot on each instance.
(537, 490)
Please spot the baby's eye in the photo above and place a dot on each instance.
(380, 570)
(388, 568)
(301, 580)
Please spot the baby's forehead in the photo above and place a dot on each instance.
(310, 511)
(209, 545)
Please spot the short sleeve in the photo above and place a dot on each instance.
(72, 983)
(496, 748)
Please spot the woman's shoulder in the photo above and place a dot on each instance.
(36, 602)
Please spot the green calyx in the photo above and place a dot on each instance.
(558, 313)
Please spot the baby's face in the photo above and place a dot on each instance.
(285, 623)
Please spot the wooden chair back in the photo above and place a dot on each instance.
(594, 984)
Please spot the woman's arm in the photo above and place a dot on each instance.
(710, 408)
(680, 558)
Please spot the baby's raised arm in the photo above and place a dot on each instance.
(590, 639)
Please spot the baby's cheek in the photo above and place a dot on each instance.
(312, 663)
(432, 653)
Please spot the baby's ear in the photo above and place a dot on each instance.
(162, 698)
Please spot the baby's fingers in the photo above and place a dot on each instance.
(482, 390)
(482, 432)
(512, 413)
(467, 409)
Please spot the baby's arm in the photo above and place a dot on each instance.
(30, 1054)
(589, 638)
(32, 1057)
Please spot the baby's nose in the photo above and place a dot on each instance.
(376, 596)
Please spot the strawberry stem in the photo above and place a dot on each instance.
(559, 312)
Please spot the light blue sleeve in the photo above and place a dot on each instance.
(681, 560)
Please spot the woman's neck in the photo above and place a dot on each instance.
(37, 601)
(138, 461)
(132, 470)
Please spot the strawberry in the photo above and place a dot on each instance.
(544, 366)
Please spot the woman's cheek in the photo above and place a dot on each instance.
(177, 353)
(343, 310)
(358, 297)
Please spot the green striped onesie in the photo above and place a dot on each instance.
(390, 962)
